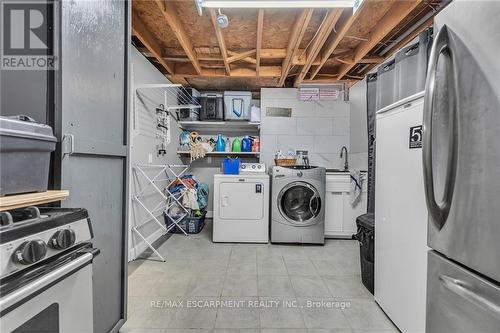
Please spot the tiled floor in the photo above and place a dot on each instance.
(251, 288)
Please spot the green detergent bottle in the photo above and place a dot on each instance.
(236, 145)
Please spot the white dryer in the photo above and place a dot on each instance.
(241, 208)
(298, 205)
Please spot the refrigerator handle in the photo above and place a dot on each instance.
(438, 211)
(464, 290)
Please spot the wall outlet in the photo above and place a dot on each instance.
(150, 158)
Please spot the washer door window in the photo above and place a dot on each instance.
(299, 203)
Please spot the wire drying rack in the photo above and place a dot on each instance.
(153, 174)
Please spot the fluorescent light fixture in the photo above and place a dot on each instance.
(276, 3)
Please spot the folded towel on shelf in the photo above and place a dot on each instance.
(356, 183)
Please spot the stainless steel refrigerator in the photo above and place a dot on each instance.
(461, 154)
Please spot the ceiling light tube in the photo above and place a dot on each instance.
(277, 3)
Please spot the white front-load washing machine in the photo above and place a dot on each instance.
(298, 205)
(241, 208)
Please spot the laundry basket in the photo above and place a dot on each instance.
(191, 224)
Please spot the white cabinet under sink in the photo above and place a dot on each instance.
(340, 215)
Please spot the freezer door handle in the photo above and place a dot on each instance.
(464, 290)
(439, 211)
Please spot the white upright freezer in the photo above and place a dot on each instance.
(401, 215)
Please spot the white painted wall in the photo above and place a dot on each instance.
(142, 144)
(358, 137)
(320, 127)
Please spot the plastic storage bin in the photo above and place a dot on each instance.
(190, 224)
(366, 239)
(231, 166)
(25, 146)
(237, 105)
(212, 106)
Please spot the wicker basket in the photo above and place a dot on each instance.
(285, 161)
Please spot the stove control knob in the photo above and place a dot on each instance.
(30, 252)
(63, 239)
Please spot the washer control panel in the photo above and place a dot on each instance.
(252, 168)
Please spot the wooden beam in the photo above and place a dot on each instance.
(334, 40)
(146, 38)
(220, 40)
(347, 61)
(371, 60)
(391, 19)
(183, 69)
(250, 60)
(426, 24)
(260, 26)
(324, 31)
(298, 31)
(170, 13)
(240, 56)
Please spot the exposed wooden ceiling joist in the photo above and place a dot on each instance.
(299, 29)
(220, 40)
(172, 17)
(240, 56)
(146, 38)
(313, 50)
(265, 71)
(334, 40)
(260, 27)
(391, 19)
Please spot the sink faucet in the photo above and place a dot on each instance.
(346, 161)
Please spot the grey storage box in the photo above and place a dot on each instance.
(237, 105)
(212, 106)
(25, 148)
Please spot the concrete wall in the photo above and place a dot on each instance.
(320, 127)
(358, 136)
(143, 147)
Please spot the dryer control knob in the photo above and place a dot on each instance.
(299, 173)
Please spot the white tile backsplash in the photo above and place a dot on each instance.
(330, 144)
(315, 126)
(294, 142)
(320, 127)
(341, 126)
(268, 143)
(278, 125)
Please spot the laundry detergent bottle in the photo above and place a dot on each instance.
(220, 144)
(236, 145)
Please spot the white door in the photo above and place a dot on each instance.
(241, 200)
(401, 217)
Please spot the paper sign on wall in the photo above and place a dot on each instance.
(328, 94)
(309, 94)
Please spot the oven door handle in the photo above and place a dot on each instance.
(19, 295)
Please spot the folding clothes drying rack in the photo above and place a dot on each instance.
(168, 199)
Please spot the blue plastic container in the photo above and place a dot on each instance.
(231, 166)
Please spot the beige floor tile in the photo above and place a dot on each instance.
(286, 314)
(366, 314)
(300, 267)
(242, 267)
(275, 285)
(309, 286)
(346, 286)
(322, 313)
(271, 266)
(238, 317)
(240, 285)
